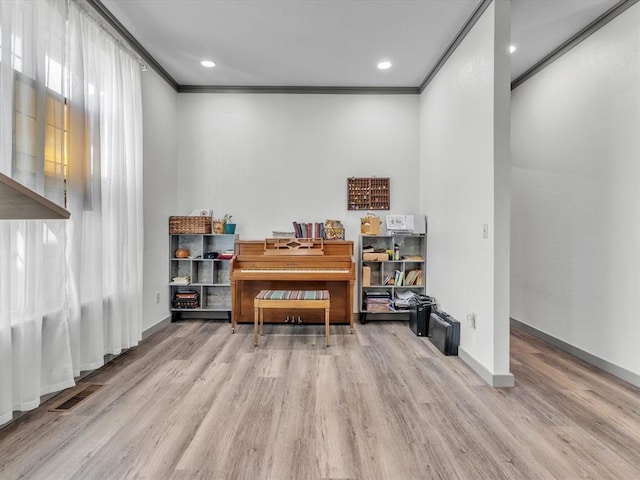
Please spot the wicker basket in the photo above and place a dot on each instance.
(193, 224)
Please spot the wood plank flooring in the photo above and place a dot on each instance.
(195, 402)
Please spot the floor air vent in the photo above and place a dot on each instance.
(71, 402)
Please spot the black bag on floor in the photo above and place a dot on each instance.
(444, 332)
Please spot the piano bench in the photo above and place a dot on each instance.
(289, 299)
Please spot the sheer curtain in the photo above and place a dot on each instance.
(105, 193)
(70, 111)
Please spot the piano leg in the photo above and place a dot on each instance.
(350, 304)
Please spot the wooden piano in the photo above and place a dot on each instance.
(292, 264)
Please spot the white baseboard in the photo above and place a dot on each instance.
(501, 380)
(156, 328)
(622, 373)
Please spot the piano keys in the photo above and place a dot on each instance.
(286, 270)
(287, 265)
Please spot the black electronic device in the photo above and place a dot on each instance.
(419, 313)
(444, 332)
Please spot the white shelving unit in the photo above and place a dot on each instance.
(398, 256)
(209, 277)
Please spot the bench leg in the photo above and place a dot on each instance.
(255, 326)
(326, 325)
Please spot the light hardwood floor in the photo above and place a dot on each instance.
(194, 401)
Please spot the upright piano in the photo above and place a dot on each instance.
(292, 264)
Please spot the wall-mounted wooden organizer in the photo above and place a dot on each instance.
(368, 193)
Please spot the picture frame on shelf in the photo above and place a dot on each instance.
(396, 222)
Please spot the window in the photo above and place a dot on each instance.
(40, 147)
(35, 51)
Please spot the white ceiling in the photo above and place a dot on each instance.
(319, 43)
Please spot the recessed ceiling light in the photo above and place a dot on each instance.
(512, 48)
(384, 65)
(208, 63)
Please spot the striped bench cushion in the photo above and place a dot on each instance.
(293, 295)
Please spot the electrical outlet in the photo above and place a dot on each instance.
(471, 319)
(157, 297)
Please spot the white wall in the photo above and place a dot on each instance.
(464, 157)
(576, 196)
(270, 159)
(160, 192)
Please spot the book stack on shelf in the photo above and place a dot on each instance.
(186, 299)
(226, 255)
(413, 277)
(308, 230)
(181, 280)
(329, 230)
(396, 278)
(378, 302)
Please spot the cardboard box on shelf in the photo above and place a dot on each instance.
(375, 257)
(366, 276)
(370, 225)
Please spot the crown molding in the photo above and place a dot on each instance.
(582, 35)
(298, 90)
(114, 23)
(470, 23)
(601, 21)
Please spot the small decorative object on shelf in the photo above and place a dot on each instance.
(223, 225)
(333, 230)
(229, 227)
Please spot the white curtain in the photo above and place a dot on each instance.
(70, 291)
(105, 193)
